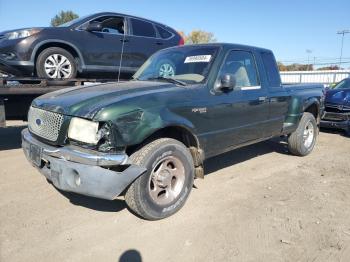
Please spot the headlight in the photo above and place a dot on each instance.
(83, 130)
(22, 33)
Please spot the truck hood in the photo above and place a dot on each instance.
(87, 101)
(338, 96)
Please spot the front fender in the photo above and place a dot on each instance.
(134, 127)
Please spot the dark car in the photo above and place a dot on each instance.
(337, 111)
(92, 46)
(147, 138)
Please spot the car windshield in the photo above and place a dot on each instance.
(76, 20)
(344, 84)
(184, 65)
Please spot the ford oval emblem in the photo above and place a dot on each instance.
(38, 122)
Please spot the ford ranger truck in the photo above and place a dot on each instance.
(147, 139)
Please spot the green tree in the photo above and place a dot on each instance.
(63, 17)
(198, 37)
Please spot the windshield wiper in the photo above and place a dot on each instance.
(171, 80)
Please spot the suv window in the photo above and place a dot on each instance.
(242, 65)
(270, 65)
(142, 28)
(111, 24)
(163, 33)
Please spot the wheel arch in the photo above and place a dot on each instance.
(179, 132)
(58, 43)
(313, 107)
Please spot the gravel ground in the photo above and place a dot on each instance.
(255, 204)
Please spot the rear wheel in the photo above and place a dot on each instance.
(56, 63)
(302, 141)
(166, 185)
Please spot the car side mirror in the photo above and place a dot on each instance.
(228, 82)
(94, 26)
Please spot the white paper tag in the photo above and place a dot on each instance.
(197, 59)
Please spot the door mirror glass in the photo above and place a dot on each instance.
(94, 26)
(228, 82)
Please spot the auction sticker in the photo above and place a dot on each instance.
(198, 59)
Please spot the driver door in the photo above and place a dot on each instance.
(102, 50)
(238, 116)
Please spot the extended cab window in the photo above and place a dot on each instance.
(242, 65)
(142, 28)
(270, 65)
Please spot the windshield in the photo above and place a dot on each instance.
(76, 20)
(190, 64)
(344, 84)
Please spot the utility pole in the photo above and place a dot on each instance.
(342, 32)
(308, 51)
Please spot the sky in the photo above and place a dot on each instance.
(289, 28)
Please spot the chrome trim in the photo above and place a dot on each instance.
(75, 153)
(250, 87)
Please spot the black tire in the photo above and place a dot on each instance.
(138, 195)
(347, 131)
(296, 142)
(40, 62)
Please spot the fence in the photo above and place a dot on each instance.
(322, 77)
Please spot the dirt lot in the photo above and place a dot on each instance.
(255, 204)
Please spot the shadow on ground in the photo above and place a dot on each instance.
(334, 131)
(130, 255)
(10, 137)
(94, 203)
(243, 154)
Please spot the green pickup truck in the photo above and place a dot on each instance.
(147, 139)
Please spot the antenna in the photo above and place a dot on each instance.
(121, 56)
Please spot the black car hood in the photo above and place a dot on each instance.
(338, 97)
(86, 101)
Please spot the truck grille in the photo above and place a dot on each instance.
(337, 108)
(44, 123)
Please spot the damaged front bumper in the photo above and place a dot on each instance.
(81, 171)
(336, 120)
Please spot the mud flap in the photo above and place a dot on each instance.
(2, 113)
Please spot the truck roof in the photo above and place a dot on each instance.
(233, 46)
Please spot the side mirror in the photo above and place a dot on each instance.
(94, 26)
(228, 82)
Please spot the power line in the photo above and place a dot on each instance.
(342, 32)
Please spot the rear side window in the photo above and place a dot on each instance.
(163, 33)
(142, 28)
(273, 76)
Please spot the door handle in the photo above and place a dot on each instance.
(159, 43)
(262, 98)
(124, 40)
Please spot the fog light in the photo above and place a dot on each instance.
(8, 56)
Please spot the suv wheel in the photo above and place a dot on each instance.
(166, 68)
(56, 63)
(302, 141)
(167, 183)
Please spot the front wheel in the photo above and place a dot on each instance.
(167, 183)
(302, 141)
(56, 63)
